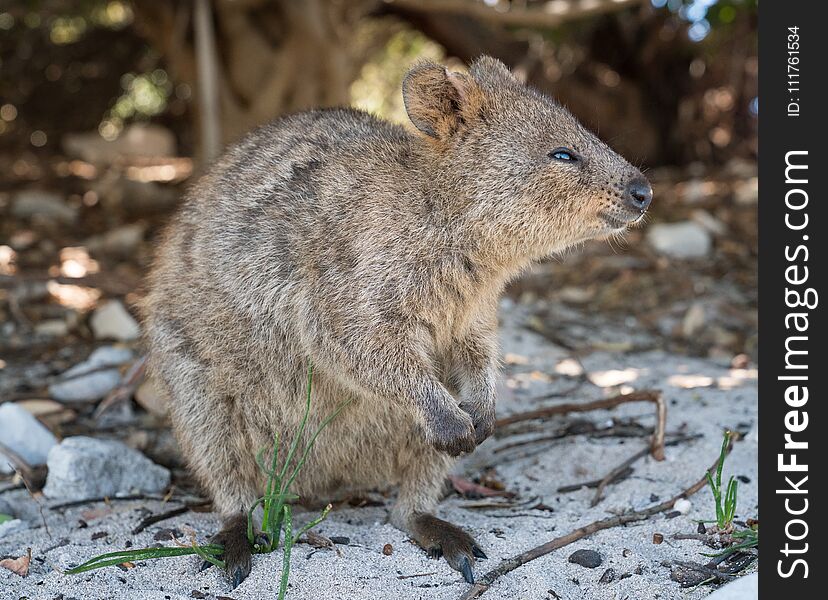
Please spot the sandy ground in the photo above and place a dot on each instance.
(704, 397)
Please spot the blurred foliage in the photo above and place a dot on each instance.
(378, 88)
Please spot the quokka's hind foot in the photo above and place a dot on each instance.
(237, 555)
(441, 538)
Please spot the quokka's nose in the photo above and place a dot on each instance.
(639, 194)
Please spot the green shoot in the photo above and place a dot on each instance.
(276, 510)
(725, 506)
(4, 518)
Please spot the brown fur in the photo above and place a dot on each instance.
(380, 255)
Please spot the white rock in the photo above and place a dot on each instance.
(112, 321)
(680, 240)
(24, 434)
(52, 328)
(682, 505)
(694, 320)
(91, 379)
(83, 467)
(153, 400)
(709, 222)
(746, 193)
(43, 204)
(743, 588)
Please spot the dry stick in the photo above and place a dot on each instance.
(624, 466)
(654, 396)
(125, 390)
(510, 564)
(153, 519)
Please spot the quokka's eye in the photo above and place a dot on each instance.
(564, 154)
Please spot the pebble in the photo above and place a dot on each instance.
(586, 558)
(112, 321)
(83, 467)
(682, 505)
(23, 433)
(150, 399)
(686, 239)
(43, 204)
(52, 328)
(694, 320)
(91, 380)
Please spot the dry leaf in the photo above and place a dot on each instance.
(18, 565)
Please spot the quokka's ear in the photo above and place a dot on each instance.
(440, 102)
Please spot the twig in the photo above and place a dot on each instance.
(130, 382)
(624, 466)
(574, 487)
(153, 519)
(29, 474)
(654, 396)
(416, 575)
(510, 564)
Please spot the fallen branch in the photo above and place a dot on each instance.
(621, 469)
(653, 396)
(510, 564)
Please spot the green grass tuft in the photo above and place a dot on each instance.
(276, 510)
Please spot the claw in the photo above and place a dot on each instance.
(435, 552)
(204, 566)
(478, 553)
(238, 577)
(466, 570)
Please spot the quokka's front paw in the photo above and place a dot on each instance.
(483, 419)
(237, 553)
(452, 432)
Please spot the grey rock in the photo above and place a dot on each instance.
(91, 379)
(586, 558)
(680, 240)
(112, 321)
(43, 204)
(23, 433)
(83, 467)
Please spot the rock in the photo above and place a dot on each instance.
(743, 588)
(136, 141)
(608, 576)
(91, 380)
(52, 328)
(680, 240)
(112, 321)
(693, 321)
(151, 399)
(83, 467)
(709, 222)
(586, 558)
(42, 204)
(746, 193)
(12, 526)
(23, 433)
(682, 505)
(120, 241)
